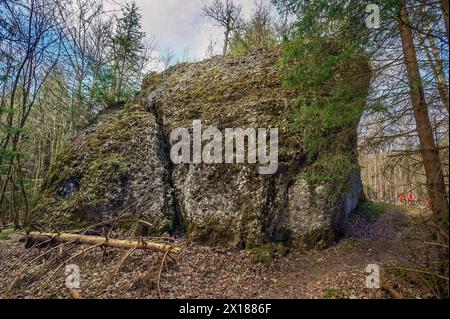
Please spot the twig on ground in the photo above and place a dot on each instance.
(127, 254)
(29, 263)
(420, 271)
(27, 252)
(72, 258)
(160, 272)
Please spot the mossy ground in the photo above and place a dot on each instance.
(338, 293)
(267, 253)
(6, 234)
(371, 211)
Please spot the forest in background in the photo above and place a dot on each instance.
(63, 62)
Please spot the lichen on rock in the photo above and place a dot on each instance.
(121, 164)
(116, 166)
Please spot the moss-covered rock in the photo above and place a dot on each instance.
(116, 167)
(121, 164)
(234, 204)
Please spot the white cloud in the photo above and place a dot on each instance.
(178, 24)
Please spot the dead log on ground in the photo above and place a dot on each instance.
(108, 242)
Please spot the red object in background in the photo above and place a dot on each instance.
(400, 198)
(410, 198)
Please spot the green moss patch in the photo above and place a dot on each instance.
(371, 211)
(6, 234)
(90, 177)
(211, 231)
(267, 253)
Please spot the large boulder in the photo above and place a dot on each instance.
(121, 164)
(116, 167)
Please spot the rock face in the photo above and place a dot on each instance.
(121, 166)
(117, 167)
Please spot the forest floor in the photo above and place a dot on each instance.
(389, 239)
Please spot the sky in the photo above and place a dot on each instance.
(178, 25)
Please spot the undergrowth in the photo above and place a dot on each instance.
(371, 211)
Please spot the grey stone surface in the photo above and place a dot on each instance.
(215, 204)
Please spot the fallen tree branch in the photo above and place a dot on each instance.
(109, 242)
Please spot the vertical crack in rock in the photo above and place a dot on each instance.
(150, 104)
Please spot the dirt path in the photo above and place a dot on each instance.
(202, 272)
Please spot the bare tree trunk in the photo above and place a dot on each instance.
(439, 73)
(444, 7)
(433, 54)
(23, 192)
(225, 42)
(430, 154)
